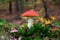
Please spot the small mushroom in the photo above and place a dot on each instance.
(30, 14)
(14, 31)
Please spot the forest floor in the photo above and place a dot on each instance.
(4, 14)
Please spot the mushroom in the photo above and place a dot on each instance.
(14, 31)
(30, 14)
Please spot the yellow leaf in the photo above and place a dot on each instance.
(48, 22)
(53, 18)
(42, 20)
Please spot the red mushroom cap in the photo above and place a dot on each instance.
(30, 13)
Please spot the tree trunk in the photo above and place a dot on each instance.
(16, 9)
(10, 6)
(21, 6)
(16, 5)
(45, 7)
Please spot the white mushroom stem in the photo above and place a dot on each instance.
(30, 22)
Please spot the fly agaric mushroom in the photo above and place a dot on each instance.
(30, 14)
